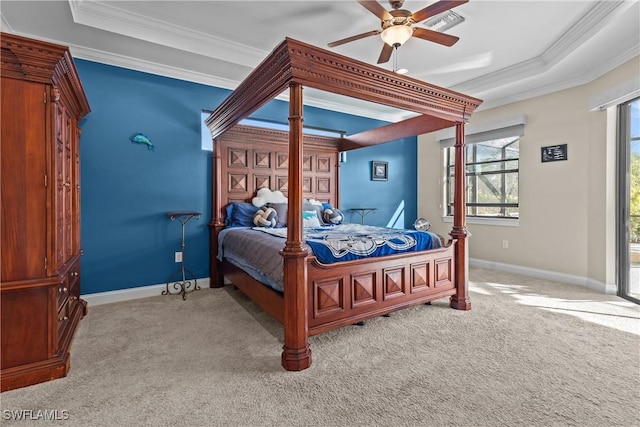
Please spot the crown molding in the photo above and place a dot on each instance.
(110, 18)
(579, 80)
(592, 22)
(164, 70)
(623, 57)
(617, 94)
(4, 25)
(138, 64)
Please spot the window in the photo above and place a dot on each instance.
(206, 143)
(492, 178)
(628, 210)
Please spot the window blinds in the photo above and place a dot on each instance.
(487, 132)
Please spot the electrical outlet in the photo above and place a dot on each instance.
(178, 256)
(505, 244)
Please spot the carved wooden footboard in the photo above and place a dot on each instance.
(348, 292)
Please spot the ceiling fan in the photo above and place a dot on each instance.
(397, 24)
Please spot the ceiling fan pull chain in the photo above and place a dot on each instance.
(395, 59)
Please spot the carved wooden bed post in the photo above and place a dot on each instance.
(216, 224)
(296, 354)
(459, 232)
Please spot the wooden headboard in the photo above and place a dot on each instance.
(248, 158)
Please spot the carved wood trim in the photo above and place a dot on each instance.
(295, 61)
(43, 62)
(373, 286)
(421, 277)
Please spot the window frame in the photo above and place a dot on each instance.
(625, 138)
(472, 206)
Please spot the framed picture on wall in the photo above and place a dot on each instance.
(379, 170)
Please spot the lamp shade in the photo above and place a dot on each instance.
(396, 34)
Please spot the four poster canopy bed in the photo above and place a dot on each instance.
(315, 296)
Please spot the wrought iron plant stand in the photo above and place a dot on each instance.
(184, 281)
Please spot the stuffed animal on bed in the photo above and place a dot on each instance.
(332, 216)
(265, 217)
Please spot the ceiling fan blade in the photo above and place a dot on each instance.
(354, 38)
(436, 8)
(435, 36)
(385, 54)
(376, 8)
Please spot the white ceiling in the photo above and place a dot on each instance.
(509, 50)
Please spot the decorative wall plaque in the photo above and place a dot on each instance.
(554, 153)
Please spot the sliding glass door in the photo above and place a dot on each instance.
(629, 200)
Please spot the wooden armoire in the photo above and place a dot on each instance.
(40, 307)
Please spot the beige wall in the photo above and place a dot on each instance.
(567, 208)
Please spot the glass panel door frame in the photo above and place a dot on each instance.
(625, 274)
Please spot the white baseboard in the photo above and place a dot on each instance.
(547, 275)
(155, 290)
(132, 293)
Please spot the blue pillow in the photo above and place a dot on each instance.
(240, 214)
(228, 212)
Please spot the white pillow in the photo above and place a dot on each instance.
(264, 196)
(310, 219)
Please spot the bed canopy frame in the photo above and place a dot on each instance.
(294, 65)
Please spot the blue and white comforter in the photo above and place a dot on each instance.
(346, 242)
(258, 252)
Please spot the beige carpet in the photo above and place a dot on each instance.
(530, 353)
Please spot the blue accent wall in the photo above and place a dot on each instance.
(395, 197)
(127, 239)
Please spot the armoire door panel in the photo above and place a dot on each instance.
(25, 334)
(24, 196)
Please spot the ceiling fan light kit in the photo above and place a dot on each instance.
(396, 35)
